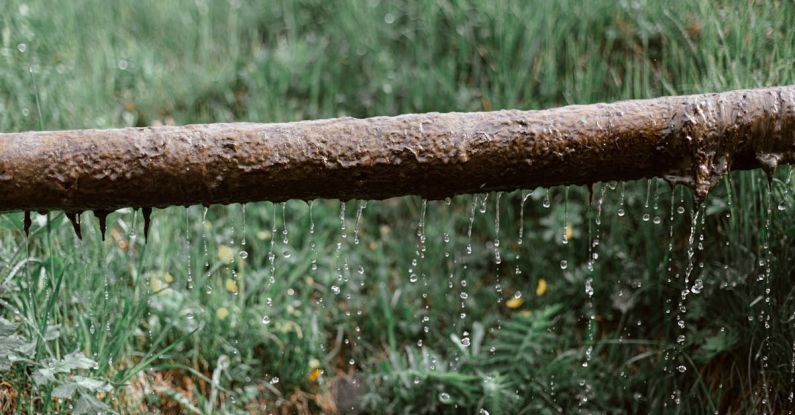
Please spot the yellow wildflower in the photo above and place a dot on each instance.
(314, 363)
(525, 313)
(569, 232)
(263, 235)
(157, 285)
(315, 374)
(231, 285)
(222, 313)
(541, 288)
(168, 277)
(225, 253)
(514, 302)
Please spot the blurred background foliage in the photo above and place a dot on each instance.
(378, 307)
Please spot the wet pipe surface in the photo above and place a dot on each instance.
(692, 140)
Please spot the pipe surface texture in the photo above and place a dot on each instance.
(687, 139)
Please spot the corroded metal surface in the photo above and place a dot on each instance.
(690, 139)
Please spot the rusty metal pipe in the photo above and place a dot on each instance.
(687, 139)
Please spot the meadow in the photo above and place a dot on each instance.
(631, 299)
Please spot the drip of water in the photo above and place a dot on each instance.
(765, 278)
(243, 253)
(594, 234)
(286, 252)
(419, 255)
(419, 251)
(189, 259)
(565, 239)
(463, 295)
(657, 218)
(272, 247)
(362, 206)
(208, 283)
(646, 215)
(312, 243)
(520, 240)
(620, 210)
(497, 257)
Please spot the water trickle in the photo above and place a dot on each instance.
(188, 250)
(362, 206)
(546, 203)
(520, 240)
(272, 247)
(646, 215)
(620, 209)
(343, 227)
(312, 243)
(208, 286)
(471, 222)
(243, 253)
(565, 233)
(497, 257)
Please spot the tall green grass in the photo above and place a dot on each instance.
(182, 322)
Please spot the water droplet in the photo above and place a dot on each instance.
(266, 320)
(564, 264)
(243, 254)
(22, 47)
(681, 368)
(465, 342)
(444, 397)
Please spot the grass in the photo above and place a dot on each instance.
(183, 323)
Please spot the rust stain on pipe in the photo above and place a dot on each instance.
(689, 139)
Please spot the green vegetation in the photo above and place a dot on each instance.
(185, 324)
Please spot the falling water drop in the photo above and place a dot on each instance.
(189, 250)
(565, 239)
(497, 257)
(362, 206)
(620, 210)
(520, 240)
(312, 243)
(646, 215)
